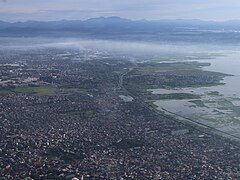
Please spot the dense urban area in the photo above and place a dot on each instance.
(82, 114)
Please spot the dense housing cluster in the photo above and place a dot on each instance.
(61, 117)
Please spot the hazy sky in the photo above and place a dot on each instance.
(21, 10)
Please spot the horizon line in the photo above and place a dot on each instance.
(134, 20)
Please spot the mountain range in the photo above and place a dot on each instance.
(111, 23)
(125, 29)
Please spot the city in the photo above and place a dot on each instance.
(63, 115)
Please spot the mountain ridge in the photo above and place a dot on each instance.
(117, 27)
(119, 19)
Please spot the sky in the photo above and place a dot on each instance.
(49, 10)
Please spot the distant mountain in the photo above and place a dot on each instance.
(125, 29)
(120, 23)
(4, 24)
(113, 19)
(113, 22)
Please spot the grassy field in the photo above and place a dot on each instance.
(84, 113)
(39, 91)
(172, 96)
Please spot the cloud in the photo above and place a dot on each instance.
(115, 47)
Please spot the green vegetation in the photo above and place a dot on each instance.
(170, 75)
(39, 91)
(172, 96)
(80, 97)
(228, 105)
(59, 154)
(89, 113)
(214, 93)
(129, 143)
(198, 103)
(73, 91)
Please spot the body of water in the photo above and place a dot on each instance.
(219, 106)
